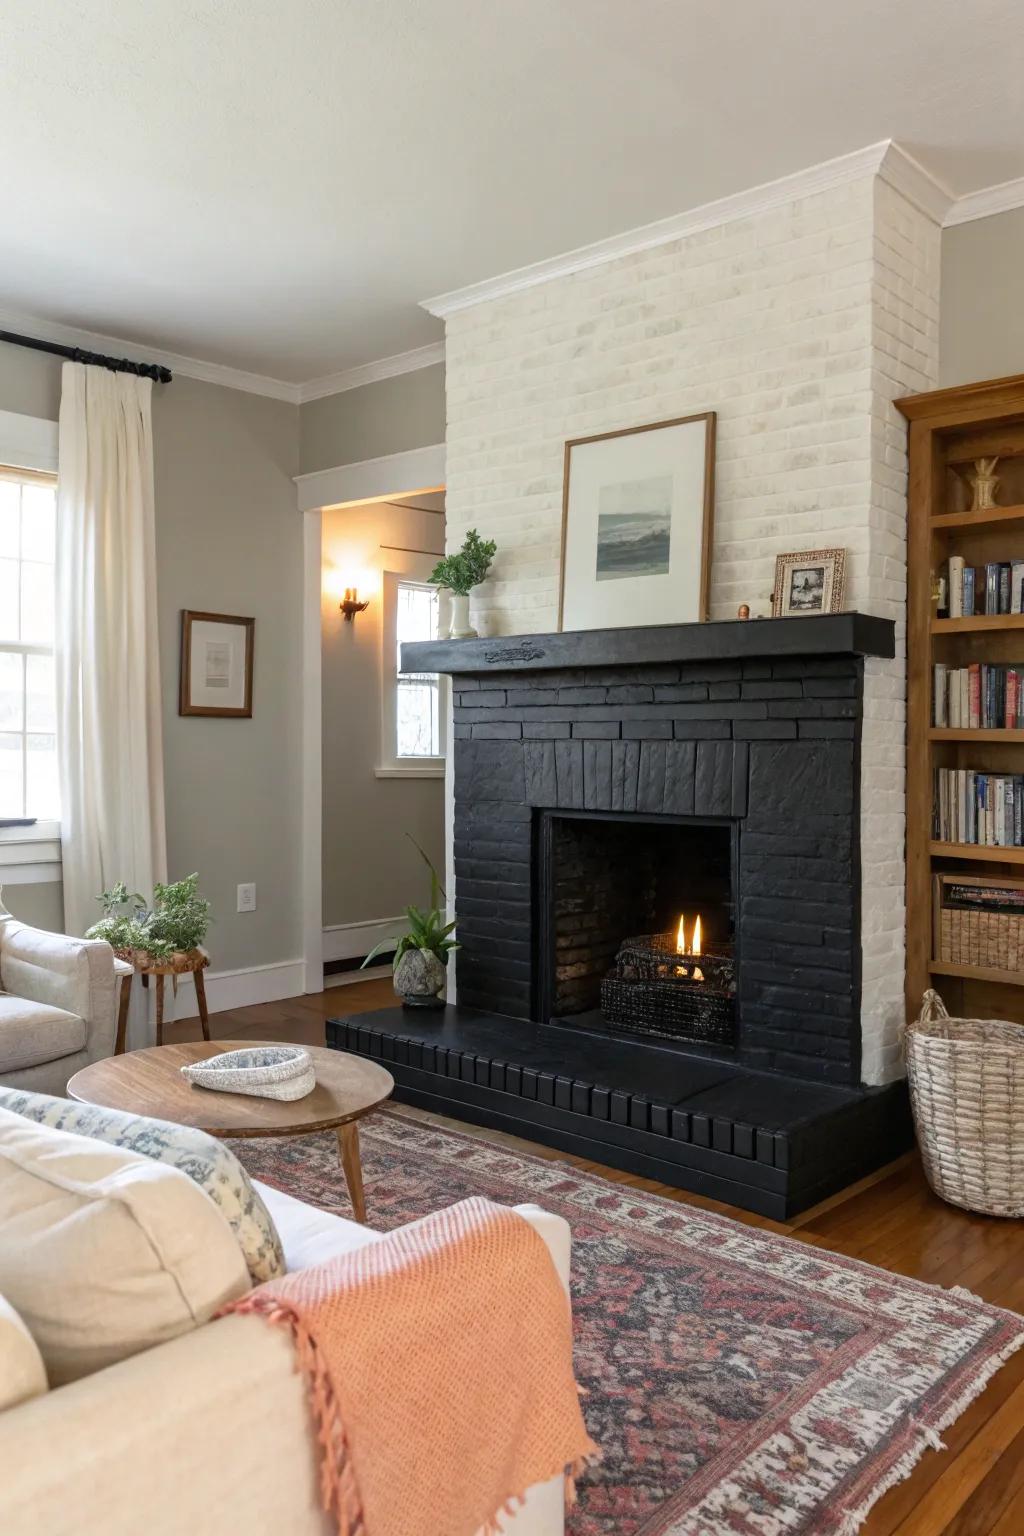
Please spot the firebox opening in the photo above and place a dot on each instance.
(637, 925)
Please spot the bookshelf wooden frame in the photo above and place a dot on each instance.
(950, 428)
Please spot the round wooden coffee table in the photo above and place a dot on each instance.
(149, 1083)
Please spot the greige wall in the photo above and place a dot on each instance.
(982, 311)
(370, 868)
(229, 540)
(41, 905)
(388, 416)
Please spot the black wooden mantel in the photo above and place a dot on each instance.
(835, 634)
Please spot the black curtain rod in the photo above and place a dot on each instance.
(155, 371)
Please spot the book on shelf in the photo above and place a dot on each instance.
(974, 807)
(995, 588)
(984, 898)
(984, 696)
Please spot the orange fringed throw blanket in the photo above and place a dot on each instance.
(439, 1364)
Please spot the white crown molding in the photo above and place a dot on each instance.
(370, 373)
(919, 186)
(1002, 198)
(188, 367)
(724, 210)
(394, 474)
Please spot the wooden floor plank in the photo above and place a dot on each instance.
(975, 1487)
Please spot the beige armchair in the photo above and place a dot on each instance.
(58, 1005)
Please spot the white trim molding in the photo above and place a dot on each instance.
(370, 373)
(312, 740)
(188, 367)
(348, 941)
(240, 989)
(31, 855)
(28, 442)
(886, 159)
(394, 474)
(1002, 198)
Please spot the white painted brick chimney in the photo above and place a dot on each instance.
(799, 325)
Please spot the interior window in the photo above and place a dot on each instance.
(417, 712)
(28, 706)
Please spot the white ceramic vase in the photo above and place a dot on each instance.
(461, 628)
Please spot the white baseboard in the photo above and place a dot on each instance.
(349, 941)
(237, 989)
(349, 978)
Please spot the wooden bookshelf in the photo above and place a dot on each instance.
(948, 430)
(975, 851)
(978, 519)
(978, 622)
(950, 733)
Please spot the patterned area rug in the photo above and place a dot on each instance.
(737, 1382)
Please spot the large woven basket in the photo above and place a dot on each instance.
(967, 1091)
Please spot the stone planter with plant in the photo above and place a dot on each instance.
(460, 573)
(420, 954)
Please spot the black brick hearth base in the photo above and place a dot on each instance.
(761, 1141)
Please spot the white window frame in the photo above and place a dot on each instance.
(392, 766)
(29, 855)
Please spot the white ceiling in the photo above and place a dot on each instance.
(274, 184)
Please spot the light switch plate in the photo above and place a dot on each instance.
(247, 898)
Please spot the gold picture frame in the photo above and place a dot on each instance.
(809, 581)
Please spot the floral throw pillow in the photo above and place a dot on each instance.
(208, 1161)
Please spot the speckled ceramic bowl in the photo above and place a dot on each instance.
(266, 1071)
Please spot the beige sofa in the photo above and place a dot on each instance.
(58, 1005)
(207, 1435)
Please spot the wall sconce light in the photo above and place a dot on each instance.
(350, 604)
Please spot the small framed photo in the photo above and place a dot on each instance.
(809, 581)
(216, 665)
(637, 510)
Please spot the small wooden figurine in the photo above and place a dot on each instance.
(983, 484)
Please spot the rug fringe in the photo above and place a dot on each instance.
(929, 1436)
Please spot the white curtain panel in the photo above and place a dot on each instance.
(108, 673)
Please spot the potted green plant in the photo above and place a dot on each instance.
(172, 928)
(460, 573)
(421, 953)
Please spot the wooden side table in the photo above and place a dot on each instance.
(190, 963)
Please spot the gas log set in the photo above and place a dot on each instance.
(660, 985)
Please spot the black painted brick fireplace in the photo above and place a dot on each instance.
(749, 731)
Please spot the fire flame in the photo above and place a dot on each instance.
(681, 946)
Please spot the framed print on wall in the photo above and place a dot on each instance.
(637, 510)
(216, 665)
(809, 581)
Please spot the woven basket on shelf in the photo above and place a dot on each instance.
(967, 1091)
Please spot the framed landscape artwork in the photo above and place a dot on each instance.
(637, 508)
(216, 665)
(809, 581)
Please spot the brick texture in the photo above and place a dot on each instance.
(785, 783)
(799, 326)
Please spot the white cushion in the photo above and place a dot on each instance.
(308, 1235)
(22, 1372)
(31, 1033)
(209, 1162)
(105, 1252)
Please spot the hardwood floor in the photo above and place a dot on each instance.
(975, 1487)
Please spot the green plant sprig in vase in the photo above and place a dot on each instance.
(460, 573)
